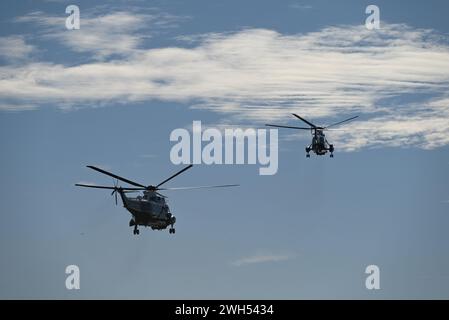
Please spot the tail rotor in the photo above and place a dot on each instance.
(114, 192)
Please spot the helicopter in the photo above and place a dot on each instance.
(151, 208)
(319, 144)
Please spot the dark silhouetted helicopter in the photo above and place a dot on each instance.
(151, 209)
(319, 144)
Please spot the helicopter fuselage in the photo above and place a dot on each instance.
(149, 210)
(320, 146)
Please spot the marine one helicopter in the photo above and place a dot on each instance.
(319, 144)
(151, 209)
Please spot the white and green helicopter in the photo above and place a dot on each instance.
(151, 208)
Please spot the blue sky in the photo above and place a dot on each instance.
(110, 93)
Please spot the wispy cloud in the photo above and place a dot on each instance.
(16, 107)
(103, 35)
(259, 75)
(262, 258)
(300, 6)
(15, 48)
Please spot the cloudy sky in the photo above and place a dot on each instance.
(110, 93)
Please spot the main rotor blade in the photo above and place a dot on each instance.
(309, 123)
(106, 187)
(288, 127)
(202, 187)
(176, 174)
(93, 186)
(337, 123)
(116, 176)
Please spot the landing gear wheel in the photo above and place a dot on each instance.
(172, 230)
(332, 155)
(307, 155)
(135, 231)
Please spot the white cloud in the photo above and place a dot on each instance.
(103, 35)
(300, 6)
(427, 129)
(16, 107)
(257, 75)
(261, 258)
(15, 48)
